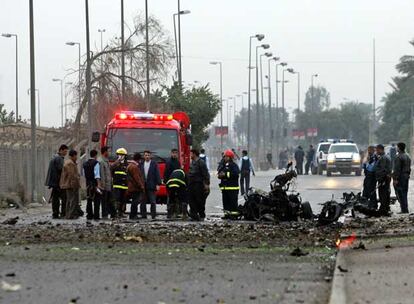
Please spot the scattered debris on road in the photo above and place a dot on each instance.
(10, 287)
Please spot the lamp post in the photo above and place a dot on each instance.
(267, 54)
(79, 72)
(38, 104)
(178, 46)
(292, 71)
(313, 103)
(147, 54)
(32, 102)
(259, 37)
(221, 101)
(102, 31)
(61, 98)
(7, 35)
(271, 130)
(263, 46)
(123, 47)
(66, 100)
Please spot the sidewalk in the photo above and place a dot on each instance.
(380, 273)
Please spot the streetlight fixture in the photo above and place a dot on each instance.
(259, 37)
(7, 35)
(71, 43)
(221, 101)
(265, 47)
(61, 98)
(178, 46)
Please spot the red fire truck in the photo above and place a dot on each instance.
(158, 133)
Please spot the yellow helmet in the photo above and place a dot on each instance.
(122, 151)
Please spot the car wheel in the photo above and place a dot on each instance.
(314, 170)
(328, 173)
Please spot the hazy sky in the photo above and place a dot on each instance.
(330, 37)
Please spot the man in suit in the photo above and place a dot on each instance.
(151, 173)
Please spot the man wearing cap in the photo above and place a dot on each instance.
(401, 176)
(383, 176)
(120, 182)
(229, 175)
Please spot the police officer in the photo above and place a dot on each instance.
(177, 190)
(370, 182)
(92, 200)
(198, 186)
(229, 185)
(120, 181)
(383, 176)
(401, 175)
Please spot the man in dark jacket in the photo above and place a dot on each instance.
(310, 154)
(54, 172)
(383, 176)
(92, 200)
(370, 182)
(299, 156)
(229, 185)
(136, 184)
(198, 186)
(401, 176)
(151, 172)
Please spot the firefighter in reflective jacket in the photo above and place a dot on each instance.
(120, 181)
(229, 173)
(177, 193)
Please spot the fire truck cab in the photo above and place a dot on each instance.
(158, 133)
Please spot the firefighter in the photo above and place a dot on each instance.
(229, 185)
(120, 182)
(177, 190)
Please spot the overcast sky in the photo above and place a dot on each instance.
(330, 37)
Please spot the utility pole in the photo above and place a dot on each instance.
(122, 51)
(32, 102)
(88, 77)
(374, 107)
(180, 74)
(147, 54)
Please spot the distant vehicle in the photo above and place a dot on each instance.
(343, 157)
(319, 161)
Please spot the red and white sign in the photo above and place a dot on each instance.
(221, 131)
(298, 134)
(312, 132)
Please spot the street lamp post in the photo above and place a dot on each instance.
(32, 102)
(313, 102)
(292, 71)
(79, 67)
(267, 54)
(61, 98)
(221, 101)
(269, 84)
(178, 45)
(264, 46)
(259, 37)
(123, 48)
(66, 100)
(147, 54)
(7, 35)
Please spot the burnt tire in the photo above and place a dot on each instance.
(330, 213)
(307, 213)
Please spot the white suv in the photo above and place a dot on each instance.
(319, 161)
(343, 158)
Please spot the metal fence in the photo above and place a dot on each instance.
(15, 172)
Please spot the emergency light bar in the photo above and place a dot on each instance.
(143, 116)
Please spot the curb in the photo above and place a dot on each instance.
(338, 294)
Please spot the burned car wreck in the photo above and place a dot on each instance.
(280, 204)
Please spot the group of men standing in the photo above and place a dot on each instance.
(379, 170)
(300, 157)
